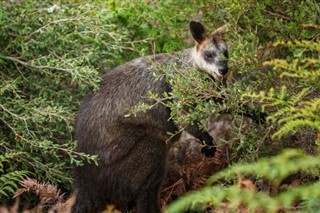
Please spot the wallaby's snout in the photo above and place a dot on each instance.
(223, 71)
(223, 67)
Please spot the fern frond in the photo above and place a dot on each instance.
(294, 125)
(305, 193)
(292, 113)
(238, 198)
(217, 195)
(304, 44)
(301, 68)
(297, 68)
(276, 168)
(47, 192)
(294, 118)
(9, 182)
(297, 97)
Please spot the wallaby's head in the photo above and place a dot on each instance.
(211, 52)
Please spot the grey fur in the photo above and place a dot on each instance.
(132, 150)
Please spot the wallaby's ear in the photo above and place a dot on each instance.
(198, 31)
(221, 31)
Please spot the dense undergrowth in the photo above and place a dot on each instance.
(51, 53)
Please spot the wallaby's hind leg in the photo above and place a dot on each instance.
(150, 171)
(149, 201)
(86, 203)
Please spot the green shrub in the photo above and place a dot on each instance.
(51, 54)
(287, 88)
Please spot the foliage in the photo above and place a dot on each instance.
(289, 94)
(51, 53)
(8, 181)
(275, 170)
(45, 59)
(294, 109)
(186, 82)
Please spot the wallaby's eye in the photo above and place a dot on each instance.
(209, 55)
(225, 53)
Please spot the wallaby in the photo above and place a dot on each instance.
(132, 150)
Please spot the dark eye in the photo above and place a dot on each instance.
(225, 53)
(210, 55)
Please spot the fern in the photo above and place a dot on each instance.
(296, 68)
(274, 169)
(293, 110)
(304, 68)
(306, 115)
(292, 113)
(215, 196)
(238, 198)
(9, 182)
(309, 195)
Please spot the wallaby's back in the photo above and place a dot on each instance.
(123, 143)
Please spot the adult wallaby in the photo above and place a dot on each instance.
(133, 150)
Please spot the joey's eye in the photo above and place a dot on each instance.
(209, 55)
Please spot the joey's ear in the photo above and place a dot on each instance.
(198, 31)
(221, 31)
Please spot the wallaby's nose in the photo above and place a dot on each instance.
(223, 71)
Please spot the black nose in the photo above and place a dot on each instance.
(223, 71)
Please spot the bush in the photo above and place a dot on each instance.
(287, 88)
(51, 54)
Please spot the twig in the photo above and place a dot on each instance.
(35, 66)
(278, 15)
(44, 26)
(12, 129)
(171, 188)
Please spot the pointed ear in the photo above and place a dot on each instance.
(221, 31)
(198, 31)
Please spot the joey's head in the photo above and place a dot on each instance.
(210, 53)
